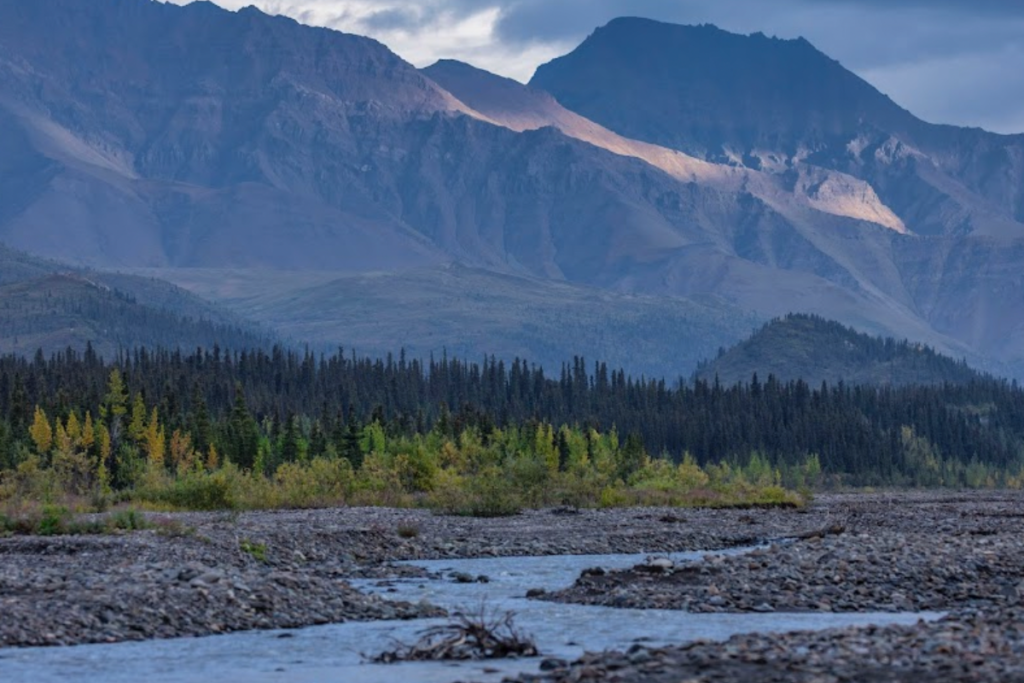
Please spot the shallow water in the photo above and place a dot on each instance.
(333, 653)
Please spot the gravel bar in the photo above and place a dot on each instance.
(205, 573)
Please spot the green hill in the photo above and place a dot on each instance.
(814, 349)
(46, 305)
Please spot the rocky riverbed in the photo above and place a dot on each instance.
(959, 554)
(968, 647)
(883, 572)
(197, 574)
(60, 591)
(918, 554)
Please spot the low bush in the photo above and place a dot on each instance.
(492, 475)
(53, 521)
(197, 491)
(408, 530)
(128, 520)
(258, 551)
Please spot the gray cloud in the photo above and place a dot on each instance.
(538, 20)
(1000, 7)
(963, 89)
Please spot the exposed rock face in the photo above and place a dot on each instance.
(768, 103)
(520, 108)
(165, 135)
(206, 138)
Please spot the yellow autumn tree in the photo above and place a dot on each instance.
(182, 454)
(212, 458)
(103, 441)
(137, 426)
(155, 441)
(71, 464)
(61, 441)
(41, 432)
(74, 429)
(88, 437)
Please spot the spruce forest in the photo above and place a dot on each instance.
(214, 429)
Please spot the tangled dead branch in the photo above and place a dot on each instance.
(468, 637)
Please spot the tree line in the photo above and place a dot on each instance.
(266, 408)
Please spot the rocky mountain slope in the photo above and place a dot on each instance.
(165, 137)
(781, 105)
(785, 108)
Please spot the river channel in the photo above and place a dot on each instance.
(334, 653)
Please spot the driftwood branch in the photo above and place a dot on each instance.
(829, 530)
(468, 637)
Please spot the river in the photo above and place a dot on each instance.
(334, 653)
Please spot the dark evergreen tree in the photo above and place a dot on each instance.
(353, 449)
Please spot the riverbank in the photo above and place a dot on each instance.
(962, 554)
(981, 647)
(917, 554)
(200, 573)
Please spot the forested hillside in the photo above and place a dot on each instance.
(49, 306)
(61, 311)
(816, 350)
(16, 266)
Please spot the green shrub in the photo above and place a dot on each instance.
(486, 494)
(258, 551)
(128, 520)
(319, 483)
(199, 491)
(54, 521)
(612, 497)
(492, 495)
(172, 528)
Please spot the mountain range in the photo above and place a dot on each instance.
(672, 185)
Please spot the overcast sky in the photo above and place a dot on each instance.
(948, 61)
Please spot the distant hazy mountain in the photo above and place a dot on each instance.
(45, 305)
(469, 313)
(159, 135)
(815, 350)
(746, 175)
